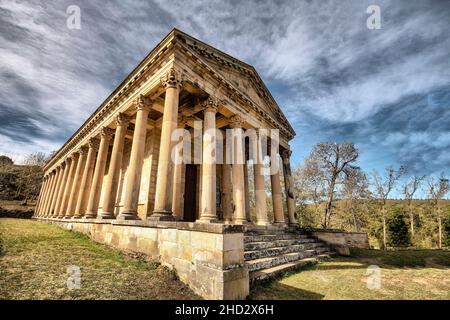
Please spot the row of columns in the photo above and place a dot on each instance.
(73, 189)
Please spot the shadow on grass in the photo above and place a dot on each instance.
(277, 291)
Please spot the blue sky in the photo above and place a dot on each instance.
(386, 90)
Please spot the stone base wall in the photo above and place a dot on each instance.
(341, 241)
(207, 257)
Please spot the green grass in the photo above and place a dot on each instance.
(405, 274)
(34, 258)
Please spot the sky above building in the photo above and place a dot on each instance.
(386, 90)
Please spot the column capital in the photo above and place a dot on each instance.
(72, 156)
(122, 119)
(94, 143)
(143, 103)
(210, 104)
(171, 79)
(63, 164)
(106, 133)
(285, 154)
(236, 121)
(83, 150)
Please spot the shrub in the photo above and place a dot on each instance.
(397, 228)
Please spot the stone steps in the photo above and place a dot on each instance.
(270, 254)
(276, 251)
(271, 273)
(273, 237)
(261, 245)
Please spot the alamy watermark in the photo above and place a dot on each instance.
(373, 274)
(373, 22)
(73, 21)
(73, 277)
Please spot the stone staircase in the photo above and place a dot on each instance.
(269, 253)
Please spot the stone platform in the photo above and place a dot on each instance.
(207, 257)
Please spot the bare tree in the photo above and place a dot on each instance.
(383, 187)
(355, 188)
(410, 187)
(330, 159)
(437, 189)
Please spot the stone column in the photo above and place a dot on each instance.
(277, 198)
(178, 174)
(260, 190)
(208, 203)
(238, 171)
(227, 193)
(75, 191)
(143, 105)
(58, 212)
(115, 164)
(58, 179)
(164, 177)
(86, 180)
(68, 187)
(247, 196)
(49, 194)
(289, 186)
(42, 195)
(97, 180)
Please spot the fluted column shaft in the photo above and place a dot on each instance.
(238, 171)
(75, 192)
(260, 190)
(87, 179)
(41, 196)
(164, 177)
(58, 212)
(208, 203)
(48, 196)
(227, 192)
(178, 175)
(59, 171)
(69, 185)
(112, 179)
(277, 197)
(129, 212)
(97, 180)
(289, 186)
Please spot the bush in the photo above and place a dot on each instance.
(446, 230)
(397, 228)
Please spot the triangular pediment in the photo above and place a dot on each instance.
(243, 77)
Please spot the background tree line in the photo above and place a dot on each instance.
(21, 182)
(332, 191)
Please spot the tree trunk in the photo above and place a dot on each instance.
(384, 229)
(329, 203)
(411, 214)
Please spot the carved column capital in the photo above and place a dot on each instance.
(210, 104)
(83, 150)
(171, 79)
(122, 119)
(106, 133)
(236, 121)
(94, 143)
(143, 103)
(286, 154)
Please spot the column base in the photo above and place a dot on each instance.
(106, 216)
(91, 215)
(208, 220)
(161, 216)
(67, 217)
(128, 215)
(241, 221)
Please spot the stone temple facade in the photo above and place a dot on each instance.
(123, 178)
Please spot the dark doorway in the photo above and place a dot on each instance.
(190, 193)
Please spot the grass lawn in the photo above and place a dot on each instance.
(406, 274)
(34, 258)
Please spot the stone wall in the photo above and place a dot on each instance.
(207, 257)
(341, 241)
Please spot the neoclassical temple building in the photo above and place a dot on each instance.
(116, 179)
